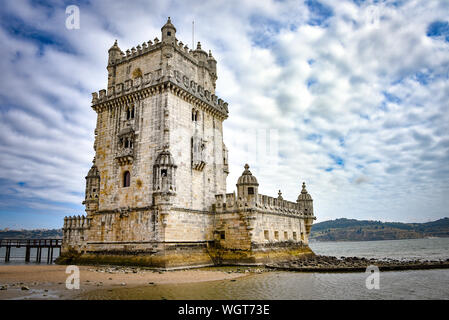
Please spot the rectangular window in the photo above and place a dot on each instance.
(294, 236)
(266, 235)
(222, 235)
(250, 190)
(285, 235)
(276, 235)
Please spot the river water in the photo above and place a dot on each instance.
(419, 284)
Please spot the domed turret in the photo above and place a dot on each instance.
(305, 201)
(114, 53)
(168, 32)
(247, 184)
(92, 190)
(200, 54)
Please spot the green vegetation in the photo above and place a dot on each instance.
(357, 230)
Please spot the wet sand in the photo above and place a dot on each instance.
(48, 281)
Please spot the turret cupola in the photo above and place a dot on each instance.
(92, 190)
(114, 53)
(168, 32)
(247, 185)
(305, 201)
(200, 54)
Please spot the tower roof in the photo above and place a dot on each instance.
(247, 177)
(168, 24)
(114, 47)
(304, 195)
(165, 159)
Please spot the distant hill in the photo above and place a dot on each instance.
(358, 230)
(31, 234)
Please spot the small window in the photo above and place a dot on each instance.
(169, 33)
(266, 235)
(250, 190)
(294, 236)
(285, 235)
(194, 115)
(130, 113)
(222, 235)
(276, 235)
(126, 179)
(163, 172)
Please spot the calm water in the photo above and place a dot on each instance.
(423, 249)
(421, 284)
(18, 255)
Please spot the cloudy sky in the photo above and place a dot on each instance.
(350, 96)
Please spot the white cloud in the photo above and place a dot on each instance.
(371, 94)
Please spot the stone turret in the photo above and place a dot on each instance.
(114, 53)
(305, 201)
(92, 190)
(212, 65)
(247, 185)
(200, 54)
(168, 32)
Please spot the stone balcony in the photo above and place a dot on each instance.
(125, 156)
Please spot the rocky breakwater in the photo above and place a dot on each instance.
(355, 264)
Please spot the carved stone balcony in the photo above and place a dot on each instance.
(125, 156)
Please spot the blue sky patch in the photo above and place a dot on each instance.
(438, 29)
(337, 160)
(319, 13)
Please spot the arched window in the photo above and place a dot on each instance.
(194, 115)
(126, 179)
(130, 113)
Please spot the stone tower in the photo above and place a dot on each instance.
(156, 192)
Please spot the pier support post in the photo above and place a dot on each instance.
(27, 253)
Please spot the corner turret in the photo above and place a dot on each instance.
(247, 185)
(114, 53)
(305, 201)
(92, 190)
(168, 32)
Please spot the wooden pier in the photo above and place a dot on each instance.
(39, 244)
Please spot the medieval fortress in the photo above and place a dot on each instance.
(156, 192)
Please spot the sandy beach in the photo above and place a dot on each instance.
(48, 281)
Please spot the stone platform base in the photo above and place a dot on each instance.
(182, 256)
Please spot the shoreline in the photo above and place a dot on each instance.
(320, 263)
(42, 282)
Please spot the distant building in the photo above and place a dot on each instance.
(156, 192)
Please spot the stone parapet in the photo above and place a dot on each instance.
(261, 203)
(151, 82)
(75, 231)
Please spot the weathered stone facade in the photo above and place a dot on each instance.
(156, 192)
